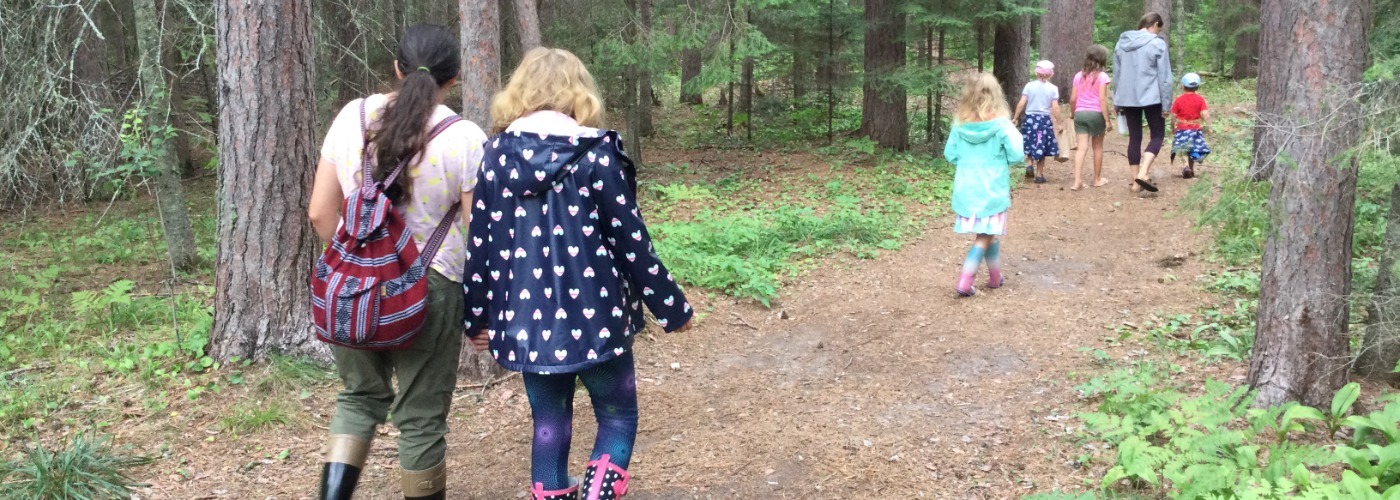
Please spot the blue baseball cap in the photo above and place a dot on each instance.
(1191, 80)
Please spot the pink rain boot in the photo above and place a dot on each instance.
(604, 481)
(539, 493)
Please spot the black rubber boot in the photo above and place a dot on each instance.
(338, 481)
(345, 458)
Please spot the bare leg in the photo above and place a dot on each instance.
(1079, 155)
(1099, 181)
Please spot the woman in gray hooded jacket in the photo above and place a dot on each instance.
(1142, 72)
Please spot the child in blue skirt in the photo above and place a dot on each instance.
(1192, 118)
(1040, 100)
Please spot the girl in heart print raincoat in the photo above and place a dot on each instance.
(560, 263)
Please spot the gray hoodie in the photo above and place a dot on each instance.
(1142, 71)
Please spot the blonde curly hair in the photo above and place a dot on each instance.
(982, 100)
(548, 79)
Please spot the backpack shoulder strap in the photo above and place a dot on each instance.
(444, 226)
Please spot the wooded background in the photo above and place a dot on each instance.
(125, 97)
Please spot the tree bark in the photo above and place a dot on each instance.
(1275, 19)
(342, 30)
(1247, 42)
(746, 99)
(1380, 349)
(174, 215)
(481, 58)
(799, 67)
(1301, 343)
(691, 63)
(527, 20)
(645, 128)
(1163, 7)
(828, 70)
(1066, 31)
(1011, 53)
(729, 98)
(926, 57)
(885, 113)
(267, 117)
(938, 96)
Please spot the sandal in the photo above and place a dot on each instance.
(1146, 184)
(1030, 171)
(1187, 173)
(1101, 183)
(1040, 180)
(966, 293)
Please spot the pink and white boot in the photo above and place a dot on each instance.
(603, 480)
(539, 493)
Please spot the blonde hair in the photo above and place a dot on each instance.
(548, 79)
(981, 101)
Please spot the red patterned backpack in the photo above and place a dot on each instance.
(369, 290)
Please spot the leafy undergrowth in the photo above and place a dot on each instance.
(744, 236)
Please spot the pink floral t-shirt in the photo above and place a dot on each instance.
(446, 169)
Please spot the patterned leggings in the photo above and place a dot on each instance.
(613, 388)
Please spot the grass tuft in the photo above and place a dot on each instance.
(256, 416)
(86, 468)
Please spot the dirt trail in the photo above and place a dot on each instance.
(879, 383)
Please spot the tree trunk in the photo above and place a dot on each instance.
(1179, 45)
(1163, 7)
(174, 215)
(527, 20)
(1380, 350)
(267, 154)
(351, 76)
(938, 96)
(729, 98)
(481, 58)
(1301, 343)
(799, 67)
(632, 103)
(691, 64)
(1274, 21)
(747, 99)
(885, 110)
(828, 70)
(1247, 42)
(981, 47)
(1011, 54)
(645, 128)
(927, 58)
(1066, 31)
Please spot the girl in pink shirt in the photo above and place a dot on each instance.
(1089, 104)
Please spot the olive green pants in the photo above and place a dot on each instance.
(427, 375)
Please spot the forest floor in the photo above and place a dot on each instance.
(867, 379)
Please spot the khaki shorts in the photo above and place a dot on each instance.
(1090, 122)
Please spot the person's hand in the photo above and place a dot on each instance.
(1167, 114)
(481, 341)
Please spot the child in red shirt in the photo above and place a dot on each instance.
(1192, 115)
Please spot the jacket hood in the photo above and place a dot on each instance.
(980, 132)
(1133, 40)
(531, 164)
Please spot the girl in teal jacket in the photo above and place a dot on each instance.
(982, 145)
